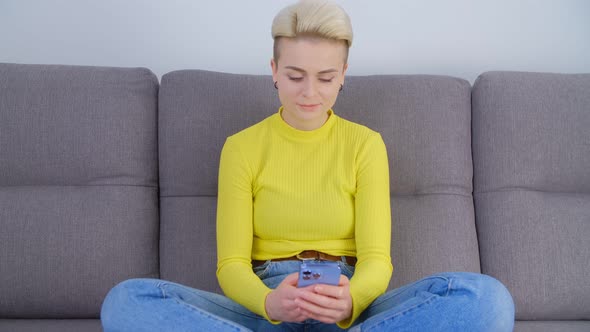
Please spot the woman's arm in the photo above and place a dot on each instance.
(234, 232)
(372, 227)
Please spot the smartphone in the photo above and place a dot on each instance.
(318, 272)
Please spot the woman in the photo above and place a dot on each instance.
(304, 184)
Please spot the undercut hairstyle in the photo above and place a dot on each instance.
(312, 18)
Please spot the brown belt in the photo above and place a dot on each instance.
(309, 255)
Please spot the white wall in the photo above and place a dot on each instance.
(454, 37)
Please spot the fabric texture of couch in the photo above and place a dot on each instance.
(107, 174)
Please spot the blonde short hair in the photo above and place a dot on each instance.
(315, 18)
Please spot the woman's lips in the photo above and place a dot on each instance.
(308, 107)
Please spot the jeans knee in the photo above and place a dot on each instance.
(483, 299)
(500, 298)
(120, 297)
(493, 301)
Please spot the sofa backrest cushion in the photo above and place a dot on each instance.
(424, 121)
(531, 148)
(197, 111)
(78, 186)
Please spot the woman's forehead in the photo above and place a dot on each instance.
(310, 41)
(318, 55)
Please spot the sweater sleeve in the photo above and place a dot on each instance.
(235, 233)
(372, 228)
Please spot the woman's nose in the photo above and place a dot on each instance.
(309, 88)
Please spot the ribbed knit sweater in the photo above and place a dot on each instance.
(283, 190)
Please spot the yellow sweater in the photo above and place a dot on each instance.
(283, 190)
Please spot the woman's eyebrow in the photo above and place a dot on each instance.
(326, 71)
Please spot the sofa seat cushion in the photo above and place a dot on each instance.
(50, 325)
(552, 326)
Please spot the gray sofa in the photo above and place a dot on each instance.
(107, 174)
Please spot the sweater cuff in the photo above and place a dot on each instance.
(347, 323)
(265, 314)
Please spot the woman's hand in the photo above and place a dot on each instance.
(326, 303)
(280, 303)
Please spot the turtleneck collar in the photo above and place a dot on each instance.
(303, 135)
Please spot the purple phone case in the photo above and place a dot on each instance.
(318, 272)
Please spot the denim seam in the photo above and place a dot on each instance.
(427, 301)
(203, 313)
(262, 274)
(384, 321)
(211, 302)
(449, 286)
(162, 290)
(347, 268)
(161, 285)
(380, 300)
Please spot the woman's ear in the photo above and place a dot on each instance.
(344, 72)
(273, 67)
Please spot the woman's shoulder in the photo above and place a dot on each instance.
(252, 133)
(357, 130)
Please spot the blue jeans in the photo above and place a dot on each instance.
(443, 302)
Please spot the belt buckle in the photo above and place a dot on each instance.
(305, 259)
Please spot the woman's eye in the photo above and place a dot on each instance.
(326, 80)
(296, 79)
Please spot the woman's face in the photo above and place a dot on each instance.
(309, 73)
